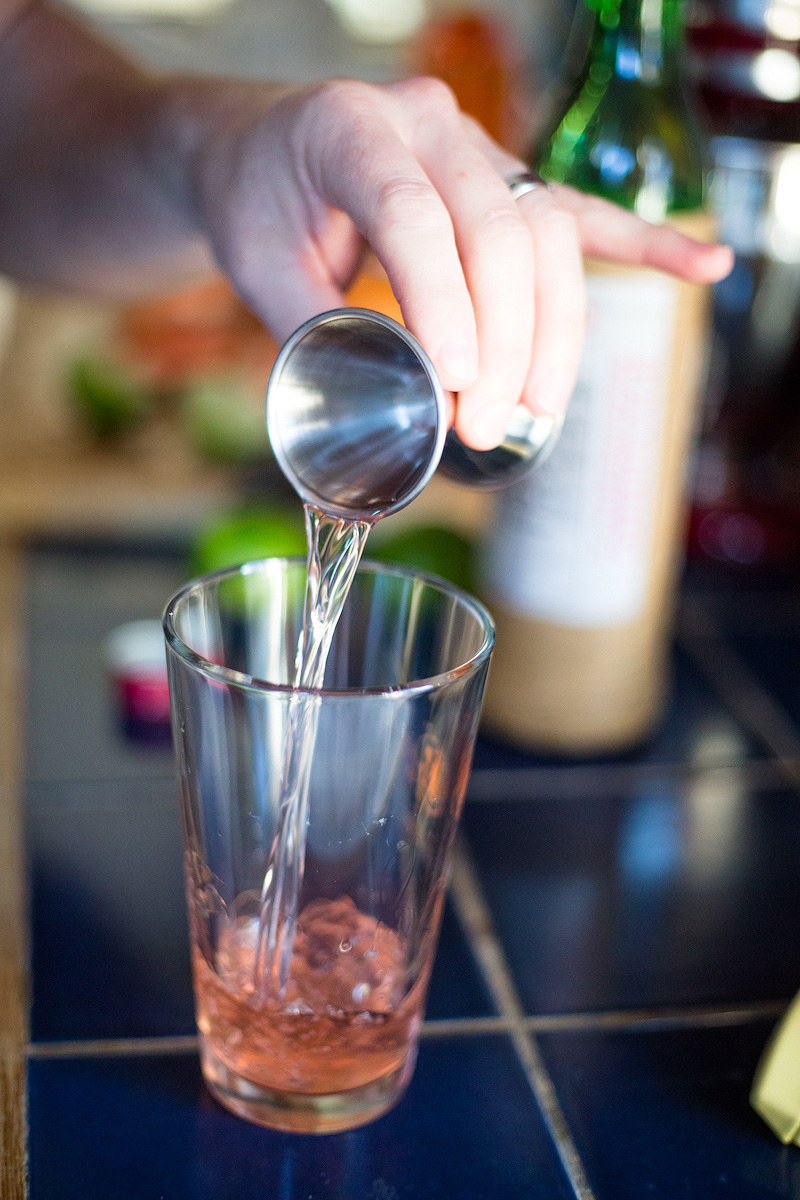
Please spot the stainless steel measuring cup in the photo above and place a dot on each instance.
(357, 419)
(356, 414)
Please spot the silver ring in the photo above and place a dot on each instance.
(524, 182)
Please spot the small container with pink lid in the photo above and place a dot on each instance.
(137, 667)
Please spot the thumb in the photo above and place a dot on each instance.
(287, 292)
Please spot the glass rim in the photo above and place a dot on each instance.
(241, 679)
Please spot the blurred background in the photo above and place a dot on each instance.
(151, 416)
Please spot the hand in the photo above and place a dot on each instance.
(123, 191)
(493, 289)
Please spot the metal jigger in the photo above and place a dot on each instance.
(357, 419)
(356, 414)
(528, 441)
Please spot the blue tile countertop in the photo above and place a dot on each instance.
(620, 938)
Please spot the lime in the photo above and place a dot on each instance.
(434, 548)
(265, 531)
(110, 401)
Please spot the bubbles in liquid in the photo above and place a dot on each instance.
(344, 1019)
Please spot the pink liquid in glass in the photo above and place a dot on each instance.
(344, 1019)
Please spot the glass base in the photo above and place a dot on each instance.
(304, 1112)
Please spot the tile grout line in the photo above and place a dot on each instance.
(143, 1047)
(619, 1020)
(742, 690)
(189, 1043)
(624, 1020)
(473, 912)
(463, 1026)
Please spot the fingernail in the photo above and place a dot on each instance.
(489, 426)
(460, 359)
(723, 259)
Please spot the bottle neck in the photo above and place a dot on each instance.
(637, 39)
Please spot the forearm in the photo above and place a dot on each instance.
(95, 180)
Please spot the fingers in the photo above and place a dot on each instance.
(375, 177)
(495, 248)
(556, 285)
(560, 300)
(493, 289)
(610, 232)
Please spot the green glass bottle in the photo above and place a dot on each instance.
(580, 566)
(629, 132)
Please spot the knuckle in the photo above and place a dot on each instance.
(404, 200)
(501, 223)
(335, 138)
(343, 100)
(430, 95)
(556, 222)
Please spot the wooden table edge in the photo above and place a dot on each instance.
(61, 495)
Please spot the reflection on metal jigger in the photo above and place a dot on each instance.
(528, 441)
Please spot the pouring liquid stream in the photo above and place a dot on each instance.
(335, 547)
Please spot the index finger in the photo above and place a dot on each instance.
(382, 186)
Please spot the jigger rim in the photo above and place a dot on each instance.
(240, 679)
(306, 494)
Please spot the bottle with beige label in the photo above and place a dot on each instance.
(580, 566)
